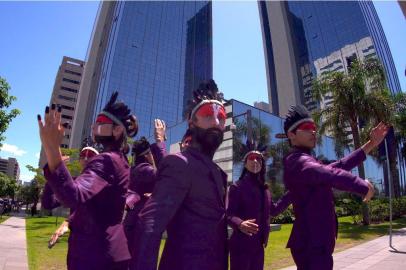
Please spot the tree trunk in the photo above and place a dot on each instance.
(361, 169)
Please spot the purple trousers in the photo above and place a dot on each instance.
(313, 258)
(243, 258)
(97, 264)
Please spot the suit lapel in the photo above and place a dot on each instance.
(216, 174)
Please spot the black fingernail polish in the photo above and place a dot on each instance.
(53, 107)
(38, 117)
(47, 109)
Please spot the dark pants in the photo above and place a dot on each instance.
(313, 258)
(243, 258)
(81, 264)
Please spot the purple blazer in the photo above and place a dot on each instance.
(310, 184)
(142, 180)
(248, 199)
(187, 201)
(98, 197)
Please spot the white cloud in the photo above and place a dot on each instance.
(13, 149)
(37, 155)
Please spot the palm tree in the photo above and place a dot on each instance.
(358, 99)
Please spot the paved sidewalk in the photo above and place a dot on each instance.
(373, 255)
(13, 244)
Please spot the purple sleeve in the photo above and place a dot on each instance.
(132, 198)
(158, 151)
(93, 179)
(143, 173)
(281, 204)
(232, 209)
(350, 161)
(169, 193)
(48, 200)
(313, 173)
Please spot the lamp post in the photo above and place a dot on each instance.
(390, 194)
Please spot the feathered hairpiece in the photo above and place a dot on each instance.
(141, 147)
(207, 92)
(119, 113)
(296, 115)
(251, 148)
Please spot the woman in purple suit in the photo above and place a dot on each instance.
(249, 210)
(97, 239)
(143, 177)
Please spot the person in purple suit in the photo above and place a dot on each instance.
(310, 184)
(49, 201)
(143, 177)
(189, 197)
(97, 239)
(249, 211)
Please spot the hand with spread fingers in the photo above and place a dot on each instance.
(160, 129)
(51, 133)
(376, 136)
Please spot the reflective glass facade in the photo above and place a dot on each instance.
(265, 126)
(323, 36)
(157, 53)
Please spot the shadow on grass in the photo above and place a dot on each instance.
(38, 223)
(359, 232)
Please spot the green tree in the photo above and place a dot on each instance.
(6, 116)
(8, 186)
(358, 98)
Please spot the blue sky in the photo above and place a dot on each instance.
(36, 35)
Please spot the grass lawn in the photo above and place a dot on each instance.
(3, 218)
(276, 255)
(39, 230)
(349, 235)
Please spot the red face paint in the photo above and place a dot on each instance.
(307, 126)
(102, 119)
(212, 111)
(254, 156)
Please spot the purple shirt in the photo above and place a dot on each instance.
(310, 184)
(187, 201)
(98, 197)
(248, 199)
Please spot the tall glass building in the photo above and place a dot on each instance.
(304, 39)
(153, 53)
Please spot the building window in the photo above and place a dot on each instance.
(67, 108)
(72, 72)
(69, 89)
(64, 146)
(67, 117)
(71, 81)
(67, 98)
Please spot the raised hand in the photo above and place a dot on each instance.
(249, 227)
(378, 133)
(376, 136)
(160, 129)
(51, 133)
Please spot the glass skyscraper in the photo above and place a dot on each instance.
(314, 37)
(154, 54)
